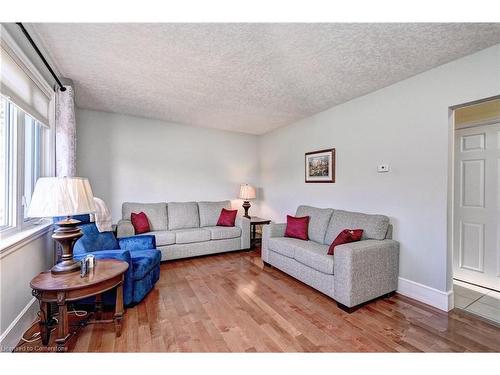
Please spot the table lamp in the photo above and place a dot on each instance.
(247, 192)
(63, 196)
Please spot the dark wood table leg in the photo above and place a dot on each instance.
(45, 321)
(63, 326)
(119, 309)
(98, 306)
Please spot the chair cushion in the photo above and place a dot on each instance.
(163, 237)
(156, 213)
(191, 235)
(222, 233)
(140, 222)
(183, 215)
(210, 212)
(143, 261)
(314, 255)
(318, 221)
(93, 240)
(374, 226)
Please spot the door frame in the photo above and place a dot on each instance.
(451, 177)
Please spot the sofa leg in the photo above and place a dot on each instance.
(267, 264)
(389, 295)
(348, 310)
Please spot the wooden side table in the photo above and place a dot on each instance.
(254, 222)
(63, 288)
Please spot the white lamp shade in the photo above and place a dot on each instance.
(61, 196)
(247, 192)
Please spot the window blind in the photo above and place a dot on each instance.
(16, 84)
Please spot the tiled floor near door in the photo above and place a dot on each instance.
(477, 300)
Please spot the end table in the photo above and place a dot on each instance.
(254, 222)
(63, 288)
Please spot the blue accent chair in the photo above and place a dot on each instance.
(138, 251)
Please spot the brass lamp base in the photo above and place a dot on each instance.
(67, 234)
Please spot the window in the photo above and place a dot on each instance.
(21, 163)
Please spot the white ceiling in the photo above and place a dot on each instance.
(249, 78)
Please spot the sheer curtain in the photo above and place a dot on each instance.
(65, 133)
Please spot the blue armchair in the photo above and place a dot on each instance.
(138, 251)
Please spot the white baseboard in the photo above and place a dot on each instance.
(423, 293)
(10, 338)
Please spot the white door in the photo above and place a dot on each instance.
(476, 224)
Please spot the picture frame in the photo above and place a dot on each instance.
(319, 166)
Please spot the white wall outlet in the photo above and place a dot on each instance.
(383, 168)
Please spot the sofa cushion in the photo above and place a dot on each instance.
(183, 215)
(210, 212)
(156, 213)
(222, 233)
(283, 245)
(191, 235)
(374, 226)
(163, 237)
(314, 255)
(143, 262)
(318, 222)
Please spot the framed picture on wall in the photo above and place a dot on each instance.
(320, 166)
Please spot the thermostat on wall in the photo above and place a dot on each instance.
(383, 168)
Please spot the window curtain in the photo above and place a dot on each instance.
(65, 133)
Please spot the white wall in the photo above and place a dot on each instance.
(405, 125)
(18, 266)
(136, 159)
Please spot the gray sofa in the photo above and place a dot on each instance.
(357, 272)
(187, 229)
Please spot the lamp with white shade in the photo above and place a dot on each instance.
(63, 196)
(247, 192)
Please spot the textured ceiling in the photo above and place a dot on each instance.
(249, 78)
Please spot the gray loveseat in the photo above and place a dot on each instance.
(187, 229)
(357, 272)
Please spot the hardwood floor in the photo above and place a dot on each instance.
(231, 303)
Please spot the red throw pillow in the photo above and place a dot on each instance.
(140, 222)
(297, 227)
(346, 236)
(227, 218)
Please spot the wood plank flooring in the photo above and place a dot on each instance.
(231, 303)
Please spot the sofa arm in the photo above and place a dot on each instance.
(244, 224)
(365, 270)
(124, 228)
(144, 242)
(269, 231)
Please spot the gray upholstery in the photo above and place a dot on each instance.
(124, 229)
(365, 270)
(222, 233)
(156, 213)
(357, 273)
(183, 215)
(210, 212)
(318, 280)
(374, 226)
(163, 237)
(318, 221)
(191, 235)
(189, 239)
(179, 251)
(315, 256)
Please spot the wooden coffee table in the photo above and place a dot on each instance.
(63, 288)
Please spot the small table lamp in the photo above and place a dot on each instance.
(63, 196)
(247, 192)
